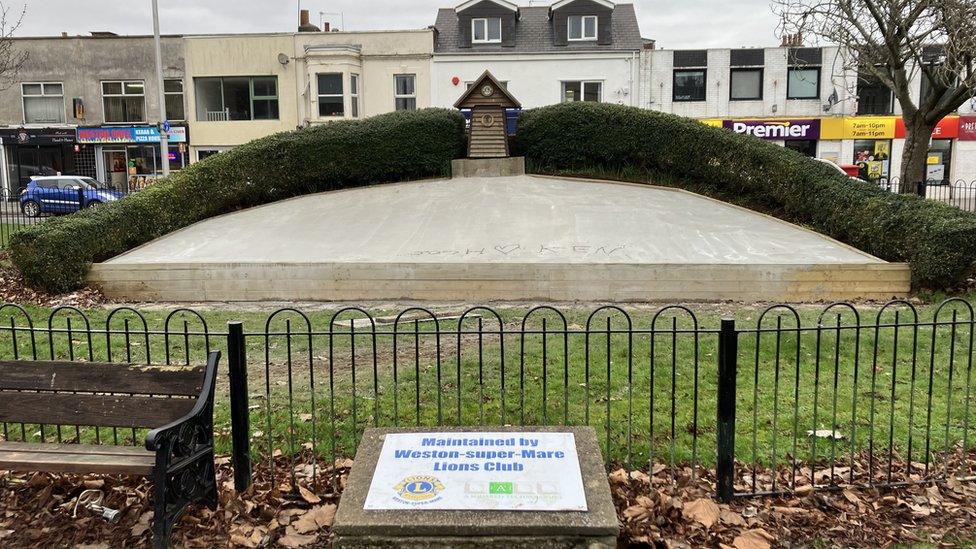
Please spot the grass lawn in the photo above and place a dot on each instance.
(910, 389)
(5, 231)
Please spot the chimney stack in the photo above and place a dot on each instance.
(303, 23)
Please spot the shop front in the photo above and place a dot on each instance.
(873, 143)
(27, 152)
(800, 135)
(128, 157)
(938, 165)
(867, 143)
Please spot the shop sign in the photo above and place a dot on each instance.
(967, 128)
(776, 129)
(947, 128)
(713, 122)
(870, 127)
(37, 136)
(129, 134)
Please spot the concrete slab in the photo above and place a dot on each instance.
(597, 527)
(497, 220)
(498, 238)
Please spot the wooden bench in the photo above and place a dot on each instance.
(176, 403)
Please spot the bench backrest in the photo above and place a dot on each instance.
(97, 394)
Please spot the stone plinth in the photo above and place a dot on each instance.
(596, 528)
(488, 167)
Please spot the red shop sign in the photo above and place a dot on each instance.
(967, 128)
(948, 128)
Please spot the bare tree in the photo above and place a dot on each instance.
(893, 41)
(11, 58)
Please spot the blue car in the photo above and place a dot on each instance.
(62, 194)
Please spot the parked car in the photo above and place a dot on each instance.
(850, 170)
(62, 194)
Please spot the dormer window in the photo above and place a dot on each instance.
(581, 27)
(486, 30)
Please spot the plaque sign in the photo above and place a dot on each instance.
(513, 471)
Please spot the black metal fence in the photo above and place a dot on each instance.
(960, 193)
(52, 197)
(773, 399)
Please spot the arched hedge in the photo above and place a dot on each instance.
(55, 255)
(937, 240)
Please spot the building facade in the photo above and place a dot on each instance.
(248, 86)
(805, 99)
(572, 50)
(88, 105)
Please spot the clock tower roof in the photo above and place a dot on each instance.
(496, 94)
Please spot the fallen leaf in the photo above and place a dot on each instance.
(637, 513)
(732, 518)
(316, 518)
(851, 497)
(753, 539)
(802, 491)
(296, 540)
(619, 477)
(702, 510)
(308, 495)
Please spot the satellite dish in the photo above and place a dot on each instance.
(283, 58)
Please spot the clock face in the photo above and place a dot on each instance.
(487, 90)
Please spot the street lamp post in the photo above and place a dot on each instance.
(163, 137)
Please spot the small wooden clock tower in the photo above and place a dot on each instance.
(487, 98)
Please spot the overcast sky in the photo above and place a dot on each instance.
(673, 23)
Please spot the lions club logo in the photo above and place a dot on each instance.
(419, 488)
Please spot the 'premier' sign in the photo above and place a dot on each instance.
(776, 129)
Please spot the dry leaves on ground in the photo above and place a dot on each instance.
(847, 516)
(36, 509)
(294, 505)
(13, 289)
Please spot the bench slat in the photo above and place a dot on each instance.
(75, 458)
(94, 410)
(100, 377)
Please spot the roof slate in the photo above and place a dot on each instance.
(534, 33)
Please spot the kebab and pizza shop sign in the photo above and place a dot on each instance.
(776, 129)
(527, 471)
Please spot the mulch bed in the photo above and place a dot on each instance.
(658, 508)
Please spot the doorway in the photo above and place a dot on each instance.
(116, 174)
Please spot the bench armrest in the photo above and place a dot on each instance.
(184, 471)
(198, 422)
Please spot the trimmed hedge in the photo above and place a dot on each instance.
(937, 240)
(56, 255)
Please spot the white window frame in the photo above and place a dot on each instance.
(179, 93)
(583, 37)
(341, 95)
(582, 83)
(24, 96)
(123, 94)
(354, 95)
(213, 150)
(487, 39)
(397, 95)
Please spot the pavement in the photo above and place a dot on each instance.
(521, 219)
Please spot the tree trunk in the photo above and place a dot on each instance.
(914, 157)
